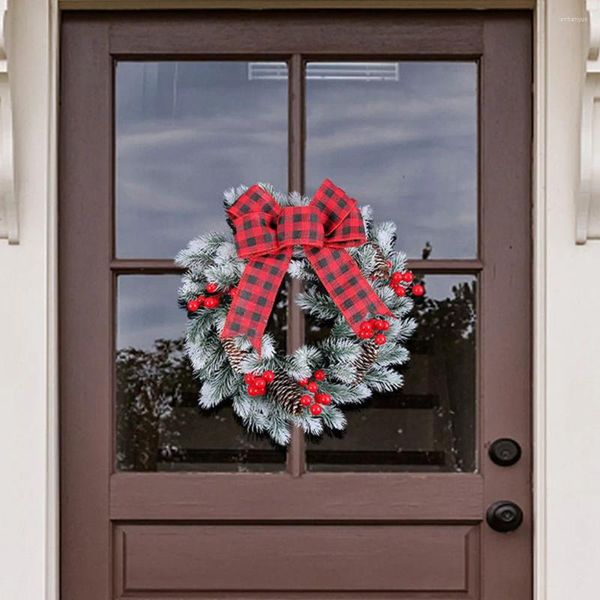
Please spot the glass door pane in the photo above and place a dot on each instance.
(159, 425)
(429, 425)
(402, 136)
(185, 132)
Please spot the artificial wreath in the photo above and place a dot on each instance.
(355, 284)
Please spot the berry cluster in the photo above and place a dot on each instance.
(257, 384)
(373, 328)
(211, 301)
(314, 403)
(400, 282)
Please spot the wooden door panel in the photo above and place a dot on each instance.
(318, 496)
(167, 559)
(314, 33)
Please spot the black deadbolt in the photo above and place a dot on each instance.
(505, 452)
(504, 516)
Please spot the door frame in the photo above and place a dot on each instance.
(539, 301)
(499, 42)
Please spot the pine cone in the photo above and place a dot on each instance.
(287, 393)
(234, 354)
(368, 356)
(382, 271)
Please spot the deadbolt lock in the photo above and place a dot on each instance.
(504, 516)
(505, 452)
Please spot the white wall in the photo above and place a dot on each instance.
(23, 324)
(572, 332)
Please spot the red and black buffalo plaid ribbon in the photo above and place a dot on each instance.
(265, 234)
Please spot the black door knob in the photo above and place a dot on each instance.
(505, 452)
(504, 516)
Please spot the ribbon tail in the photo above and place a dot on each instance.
(346, 285)
(253, 303)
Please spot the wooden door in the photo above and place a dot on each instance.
(427, 116)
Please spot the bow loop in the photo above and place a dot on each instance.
(254, 235)
(333, 205)
(350, 232)
(254, 199)
(340, 215)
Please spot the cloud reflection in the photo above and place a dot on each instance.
(187, 131)
(409, 149)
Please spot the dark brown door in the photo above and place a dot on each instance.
(425, 116)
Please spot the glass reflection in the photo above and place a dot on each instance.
(159, 425)
(185, 132)
(430, 424)
(401, 137)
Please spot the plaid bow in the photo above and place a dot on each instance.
(265, 233)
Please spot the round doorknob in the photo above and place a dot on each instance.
(504, 516)
(505, 452)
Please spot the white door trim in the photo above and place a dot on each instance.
(52, 574)
(539, 303)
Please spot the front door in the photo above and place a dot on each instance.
(424, 116)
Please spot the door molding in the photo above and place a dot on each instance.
(540, 237)
(295, 4)
(46, 107)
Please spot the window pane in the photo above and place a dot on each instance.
(401, 137)
(430, 424)
(185, 132)
(159, 424)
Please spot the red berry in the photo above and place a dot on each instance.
(320, 375)
(211, 288)
(323, 398)
(400, 291)
(364, 335)
(193, 305)
(396, 278)
(254, 391)
(303, 382)
(380, 339)
(312, 387)
(212, 302)
(248, 378)
(417, 289)
(407, 276)
(384, 325)
(269, 376)
(315, 410)
(367, 328)
(306, 400)
(379, 324)
(260, 383)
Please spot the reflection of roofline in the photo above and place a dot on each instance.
(339, 71)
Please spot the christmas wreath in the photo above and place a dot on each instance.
(355, 285)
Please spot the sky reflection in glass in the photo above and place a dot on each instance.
(407, 147)
(185, 132)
